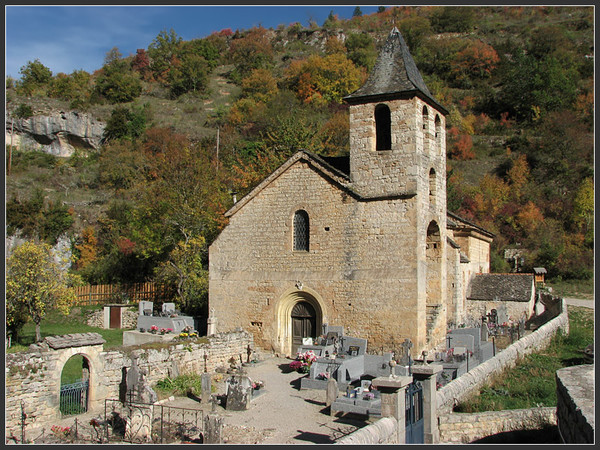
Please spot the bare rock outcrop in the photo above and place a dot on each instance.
(59, 133)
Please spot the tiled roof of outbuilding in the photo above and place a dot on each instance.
(395, 72)
(514, 287)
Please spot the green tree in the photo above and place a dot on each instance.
(117, 83)
(361, 50)
(185, 270)
(126, 123)
(34, 75)
(161, 52)
(34, 284)
(415, 29)
(453, 19)
(189, 74)
(357, 12)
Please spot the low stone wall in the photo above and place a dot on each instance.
(468, 384)
(575, 404)
(384, 431)
(461, 428)
(33, 377)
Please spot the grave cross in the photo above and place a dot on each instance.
(448, 338)
(407, 345)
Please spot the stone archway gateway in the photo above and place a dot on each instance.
(300, 314)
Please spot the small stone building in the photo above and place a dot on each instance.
(364, 242)
(515, 291)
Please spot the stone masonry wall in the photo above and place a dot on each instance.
(575, 404)
(469, 383)
(381, 432)
(465, 428)
(362, 262)
(33, 377)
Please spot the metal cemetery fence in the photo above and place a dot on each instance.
(74, 398)
(137, 423)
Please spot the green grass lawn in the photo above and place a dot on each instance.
(572, 288)
(532, 382)
(56, 324)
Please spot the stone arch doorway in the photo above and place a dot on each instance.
(300, 315)
(75, 386)
(304, 323)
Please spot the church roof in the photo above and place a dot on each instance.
(457, 222)
(395, 75)
(514, 287)
(334, 169)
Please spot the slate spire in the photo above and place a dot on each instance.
(395, 75)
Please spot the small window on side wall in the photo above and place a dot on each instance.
(301, 231)
(383, 127)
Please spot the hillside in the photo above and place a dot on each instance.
(518, 82)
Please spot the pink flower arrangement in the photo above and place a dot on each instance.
(153, 329)
(303, 361)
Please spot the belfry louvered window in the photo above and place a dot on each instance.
(301, 231)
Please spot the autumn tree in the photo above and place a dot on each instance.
(76, 88)
(477, 61)
(252, 51)
(34, 285)
(260, 85)
(87, 248)
(321, 80)
(141, 64)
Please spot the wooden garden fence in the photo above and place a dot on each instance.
(100, 294)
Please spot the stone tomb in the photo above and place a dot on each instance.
(168, 318)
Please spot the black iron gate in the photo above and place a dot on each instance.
(74, 398)
(415, 430)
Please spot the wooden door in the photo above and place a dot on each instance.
(304, 324)
(115, 317)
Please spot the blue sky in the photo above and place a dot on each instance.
(68, 38)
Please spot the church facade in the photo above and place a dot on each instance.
(364, 242)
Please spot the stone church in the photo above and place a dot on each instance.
(365, 241)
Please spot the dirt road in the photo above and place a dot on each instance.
(282, 414)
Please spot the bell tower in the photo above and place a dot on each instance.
(397, 130)
(398, 154)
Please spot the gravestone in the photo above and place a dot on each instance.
(502, 314)
(406, 359)
(168, 308)
(239, 393)
(146, 393)
(353, 346)
(213, 429)
(475, 332)
(463, 340)
(145, 308)
(206, 386)
(332, 391)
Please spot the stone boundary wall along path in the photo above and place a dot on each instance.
(381, 432)
(575, 404)
(462, 428)
(468, 384)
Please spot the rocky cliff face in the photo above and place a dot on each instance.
(58, 134)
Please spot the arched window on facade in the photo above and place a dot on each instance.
(425, 118)
(438, 132)
(301, 231)
(432, 190)
(383, 128)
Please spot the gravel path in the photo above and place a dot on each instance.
(580, 302)
(282, 414)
